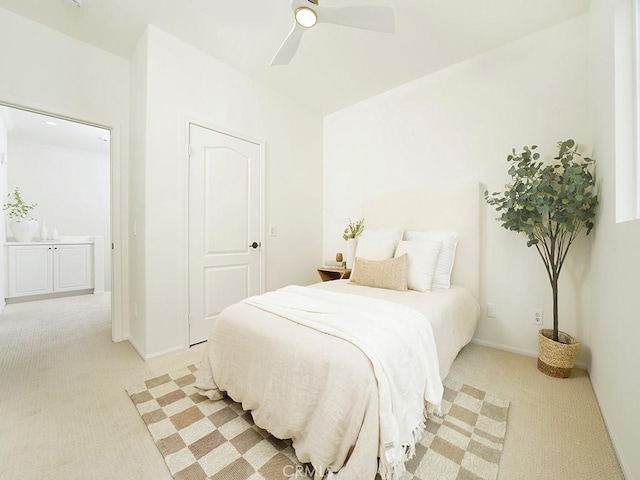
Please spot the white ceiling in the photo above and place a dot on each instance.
(32, 127)
(335, 66)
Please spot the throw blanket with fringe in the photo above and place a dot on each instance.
(400, 345)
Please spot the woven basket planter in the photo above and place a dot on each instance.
(556, 359)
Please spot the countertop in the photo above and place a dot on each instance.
(62, 241)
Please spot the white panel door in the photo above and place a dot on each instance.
(224, 225)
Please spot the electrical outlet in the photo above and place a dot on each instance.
(537, 317)
(491, 310)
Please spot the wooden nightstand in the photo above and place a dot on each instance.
(328, 273)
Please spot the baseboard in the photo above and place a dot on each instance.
(148, 356)
(521, 351)
(135, 346)
(46, 296)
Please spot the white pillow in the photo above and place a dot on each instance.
(375, 248)
(444, 266)
(423, 256)
(380, 244)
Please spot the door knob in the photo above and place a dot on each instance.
(255, 245)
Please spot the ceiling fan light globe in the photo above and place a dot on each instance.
(306, 17)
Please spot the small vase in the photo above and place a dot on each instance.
(351, 252)
(23, 229)
(44, 233)
(54, 234)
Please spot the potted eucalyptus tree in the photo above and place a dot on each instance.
(552, 204)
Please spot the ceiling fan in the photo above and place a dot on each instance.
(307, 13)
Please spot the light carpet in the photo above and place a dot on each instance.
(202, 439)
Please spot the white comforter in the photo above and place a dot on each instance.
(399, 343)
(317, 389)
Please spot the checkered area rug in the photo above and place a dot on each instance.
(202, 439)
(465, 442)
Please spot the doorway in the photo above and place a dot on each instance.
(63, 166)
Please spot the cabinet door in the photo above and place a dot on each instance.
(73, 269)
(30, 270)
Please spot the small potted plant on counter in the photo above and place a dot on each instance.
(23, 226)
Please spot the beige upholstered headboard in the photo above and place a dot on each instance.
(454, 208)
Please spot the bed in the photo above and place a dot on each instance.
(319, 388)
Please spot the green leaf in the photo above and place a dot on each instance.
(547, 202)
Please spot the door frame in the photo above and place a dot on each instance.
(117, 214)
(184, 181)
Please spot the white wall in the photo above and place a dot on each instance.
(71, 188)
(3, 195)
(460, 123)
(48, 71)
(615, 303)
(137, 198)
(184, 83)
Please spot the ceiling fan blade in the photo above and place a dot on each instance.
(377, 18)
(289, 47)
